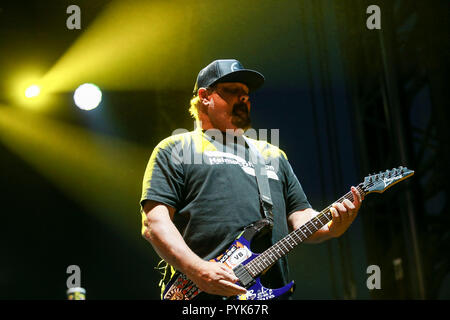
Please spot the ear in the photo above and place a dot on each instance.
(203, 95)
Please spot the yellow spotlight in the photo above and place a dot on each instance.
(87, 96)
(32, 91)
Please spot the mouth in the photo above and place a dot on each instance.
(241, 116)
(240, 109)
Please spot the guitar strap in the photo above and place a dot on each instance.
(261, 179)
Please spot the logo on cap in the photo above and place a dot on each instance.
(234, 66)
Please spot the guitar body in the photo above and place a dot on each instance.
(239, 253)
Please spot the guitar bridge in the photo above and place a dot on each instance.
(244, 276)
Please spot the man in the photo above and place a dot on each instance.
(192, 210)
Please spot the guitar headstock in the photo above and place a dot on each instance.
(385, 179)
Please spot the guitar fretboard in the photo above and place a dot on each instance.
(289, 242)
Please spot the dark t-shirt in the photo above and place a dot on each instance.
(210, 181)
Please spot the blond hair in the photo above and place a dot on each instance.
(193, 108)
(195, 104)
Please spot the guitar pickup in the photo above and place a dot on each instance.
(244, 276)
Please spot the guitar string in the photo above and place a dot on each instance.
(259, 260)
(252, 265)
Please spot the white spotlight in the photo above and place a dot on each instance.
(32, 91)
(87, 96)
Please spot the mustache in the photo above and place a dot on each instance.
(241, 116)
(240, 108)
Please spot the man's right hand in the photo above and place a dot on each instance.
(215, 278)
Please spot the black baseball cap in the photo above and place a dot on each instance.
(228, 70)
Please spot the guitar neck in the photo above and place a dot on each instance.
(289, 242)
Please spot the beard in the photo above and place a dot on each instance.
(240, 116)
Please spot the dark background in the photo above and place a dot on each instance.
(348, 101)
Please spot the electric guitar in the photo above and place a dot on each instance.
(248, 266)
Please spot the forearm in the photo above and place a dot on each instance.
(171, 247)
(299, 218)
(167, 241)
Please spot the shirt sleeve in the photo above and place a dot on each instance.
(164, 178)
(295, 196)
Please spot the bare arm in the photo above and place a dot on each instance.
(211, 277)
(299, 218)
(343, 215)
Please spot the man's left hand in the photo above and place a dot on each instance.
(344, 213)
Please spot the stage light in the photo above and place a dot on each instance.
(101, 162)
(87, 96)
(32, 91)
